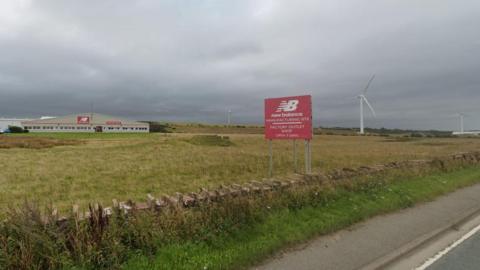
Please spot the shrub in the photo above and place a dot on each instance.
(416, 135)
(15, 129)
(158, 127)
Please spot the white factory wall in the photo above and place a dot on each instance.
(85, 122)
(106, 129)
(5, 122)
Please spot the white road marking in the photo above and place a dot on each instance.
(442, 253)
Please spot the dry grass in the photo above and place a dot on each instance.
(215, 129)
(7, 142)
(125, 166)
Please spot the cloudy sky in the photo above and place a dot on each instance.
(189, 60)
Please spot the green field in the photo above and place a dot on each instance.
(102, 167)
(281, 228)
(229, 233)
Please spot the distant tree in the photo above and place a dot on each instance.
(15, 129)
(160, 127)
(416, 135)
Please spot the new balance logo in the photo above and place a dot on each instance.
(288, 105)
(83, 119)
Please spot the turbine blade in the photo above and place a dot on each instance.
(368, 84)
(370, 106)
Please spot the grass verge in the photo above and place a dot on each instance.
(249, 244)
(222, 233)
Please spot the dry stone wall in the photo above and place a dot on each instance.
(192, 199)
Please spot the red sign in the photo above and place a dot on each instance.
(288, 118)
(113, 122)
(83, 119)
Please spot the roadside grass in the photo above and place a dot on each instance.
(226, 233)
(281, 228)
(128, 166)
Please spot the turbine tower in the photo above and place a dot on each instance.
(229, 117)
(363, 98)
(462, 127)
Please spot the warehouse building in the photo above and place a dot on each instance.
(5, 123)
(467, 133)
(85, 122)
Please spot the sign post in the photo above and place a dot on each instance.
(295, 156)
(289, 118)
(306, 156)
(270, 162)
(309, 156)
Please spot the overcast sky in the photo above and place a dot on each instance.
(189, 60)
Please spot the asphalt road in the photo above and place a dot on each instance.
(463, 257)
(369, 244)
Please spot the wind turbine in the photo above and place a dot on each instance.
(229, 117)
(462, 127)
(363, 98)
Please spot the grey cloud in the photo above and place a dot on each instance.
(190, 60)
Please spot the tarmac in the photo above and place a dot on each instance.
(463, 257)
(385, 242)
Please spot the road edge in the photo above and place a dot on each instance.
(384, 261)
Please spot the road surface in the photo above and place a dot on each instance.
(375, 243)
(463, 257)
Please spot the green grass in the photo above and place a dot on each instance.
(128, 166)
(281, 228)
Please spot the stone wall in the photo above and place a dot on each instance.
(192, 199)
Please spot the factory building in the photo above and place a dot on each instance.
(10, 122)
(85, 122)
(467, 133)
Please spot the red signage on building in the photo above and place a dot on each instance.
(288, 118)
(83, 119)
(113, 122)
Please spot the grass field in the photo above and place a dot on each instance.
(128, 166)
(248, 245)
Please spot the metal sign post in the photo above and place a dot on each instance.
(270, 163)
(309, 156)
(306, 156)
(295, 156)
